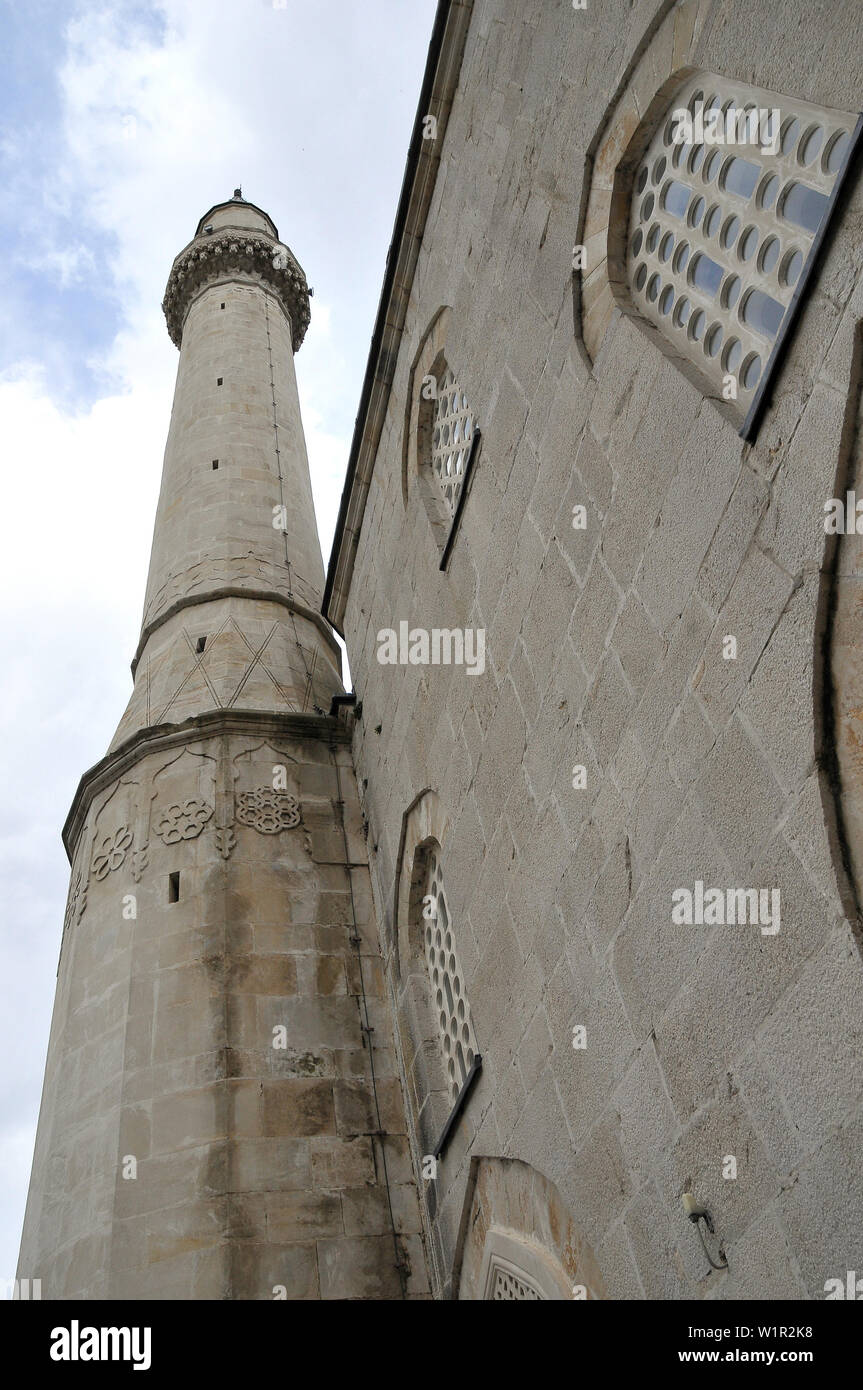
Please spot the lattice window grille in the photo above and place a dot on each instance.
(719, 233)
(452, 435)
(447, 983)
(511, 1286)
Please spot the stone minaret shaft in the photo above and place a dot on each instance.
(235, 574)
(210, 1124)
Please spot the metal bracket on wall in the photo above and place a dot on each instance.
(456, 521)
(461, 1100)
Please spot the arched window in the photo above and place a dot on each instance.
(725, 202)
(448, 994)
(441, 438)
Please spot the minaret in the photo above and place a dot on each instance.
(236, 574)
(215, 1122)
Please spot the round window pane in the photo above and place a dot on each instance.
(666, 246)
(713, 341)
(711, 166)
(653, 237)
(696, 159)
(732, 355)
(653, 288)
(768, 191)
(640, 277)
(696, 211)
(790, 133)
(712, 221)
(730, 230)
(658, 169)
(791, 268)
(681, 312)
(769, 255)
(748, 243)
(731, 291)
(810, 145)
(647, 207)
(681, 256)
(696, 325)
(666, 299)
(835, 152)
(751, 371)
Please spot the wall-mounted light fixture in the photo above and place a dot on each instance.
(696, 1215)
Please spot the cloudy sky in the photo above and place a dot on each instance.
(121, 123)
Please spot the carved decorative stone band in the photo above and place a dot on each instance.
(232, 254)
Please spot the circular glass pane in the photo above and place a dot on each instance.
(768, 191)
(681, 312)
(747, 244)
(712, 221)
(731, 291)
(768, 255)
(647, 207)
(653, 237)
(696, 159)
(681, 256)
(790, 132)
(653, 288)
(658, 169)
(730, 230)
(640, 277)
(791, 268)
(732, 355)
(835, 152)
(666, 246)
(666, 299)
(696, 211)
(810, 145)
(696, 325)
(751, 371)
(711, 166)
(713, 341)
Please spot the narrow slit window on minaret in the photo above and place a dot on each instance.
(218, 381)
(215, 464)
(222, 305)
(201, 644)
(174, 888)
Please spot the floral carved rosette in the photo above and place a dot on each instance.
(183, 822)
(112, 851)
(267, 810)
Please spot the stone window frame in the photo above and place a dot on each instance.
(664, 61)
(433, 359)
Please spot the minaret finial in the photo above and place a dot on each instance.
(238, 193)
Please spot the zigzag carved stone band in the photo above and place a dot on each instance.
(248, 254)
